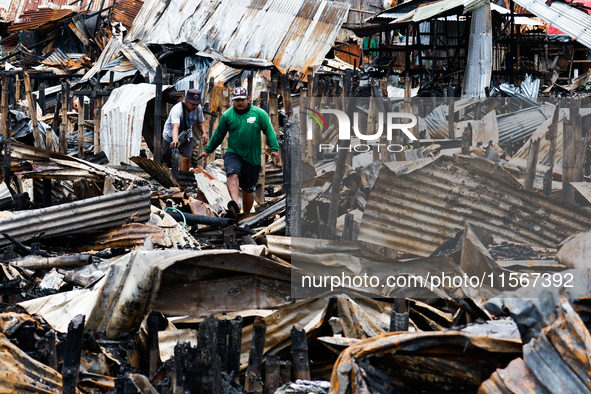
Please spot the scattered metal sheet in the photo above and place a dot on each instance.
(5, 195)
(22, 374)
(159, 171)
(557, 358)
(417, 212)
(79, 216)
(418, 361)
(274, 30)
(222, 295)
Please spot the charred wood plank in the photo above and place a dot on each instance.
(72, 354)
(299, 354)
(253, 382)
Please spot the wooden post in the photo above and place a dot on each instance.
(347, 81)
(157, 115)
(250, 83)
(153, 347)
(226, 103)
(272, 374)
(207, 369)
(64, 123)
(299, 354)
(532, 161)
(32, 110)
(52, 349)
(42, 103)
(212, 119)
(348, 230)
(399, 315)
(466, 140)
(72, 354)
(6, 128)
(252, 382)
(234, 345)
(222, 343)
(97, 124)
(286, 94)
(285, 371)
(17, 89)
(292, 175)
(316, 133)
(569, 153)
(260, 191)
(451, 124)
(81, 128)
(4, 114)
(551, 137)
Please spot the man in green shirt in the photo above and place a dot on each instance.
(243, 123)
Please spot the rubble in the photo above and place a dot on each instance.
(119, 274)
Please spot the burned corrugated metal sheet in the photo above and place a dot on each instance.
(125, 11)
(158, 171)
(12, 10)
(480, 53)
(570, 20)
(123, 120)
(80, 216)
(421, 361)
(33, 20)
(416, 211)
(136, 52)
(23, 374)
(5, 196)
(293, 35)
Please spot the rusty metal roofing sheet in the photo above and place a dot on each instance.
(416, 211)
(80, 216)
(12, 10)
(293, 35)
(32, 20)
(125, 11)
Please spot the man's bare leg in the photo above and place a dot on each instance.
(233, 186)
(247, 201)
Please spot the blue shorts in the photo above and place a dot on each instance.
(248, 174)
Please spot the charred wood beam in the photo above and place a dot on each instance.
(399, 315)
(299, 354)
(234, 345)
(272, 374)
(47, 263)
(253, 381)
(72, 354)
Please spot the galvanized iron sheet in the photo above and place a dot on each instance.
(416, 212)
(80, 216)
(293, 35)
(571, 21)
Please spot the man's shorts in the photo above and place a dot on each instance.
(248, 174)
(186, 150)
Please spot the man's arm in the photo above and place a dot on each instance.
(175, 136)
(271, 139)
(218, 136)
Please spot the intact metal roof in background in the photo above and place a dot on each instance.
(416, 211)
(293, 34)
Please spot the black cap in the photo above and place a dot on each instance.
(193, 96)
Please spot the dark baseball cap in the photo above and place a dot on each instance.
(193, 96)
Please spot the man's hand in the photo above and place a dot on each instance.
(204, 155)
(276, 158)
(174, 144)
(205, 138)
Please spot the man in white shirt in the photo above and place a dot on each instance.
(179, 123)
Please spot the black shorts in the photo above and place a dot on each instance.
(185, 150)
(248, 174)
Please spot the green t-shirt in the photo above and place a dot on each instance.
(244, 137)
